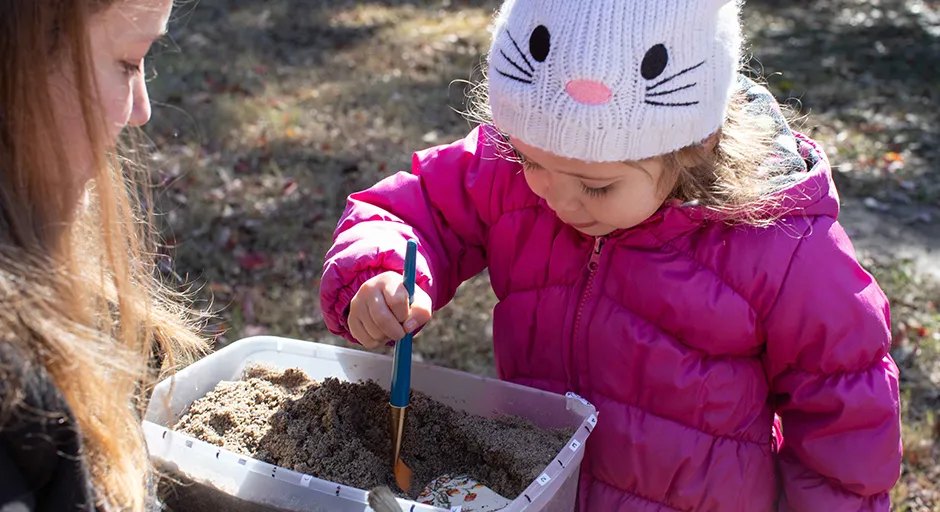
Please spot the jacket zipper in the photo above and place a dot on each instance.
(593, 264)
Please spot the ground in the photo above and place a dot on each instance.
(268, 113)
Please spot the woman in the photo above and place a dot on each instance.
(82, 311)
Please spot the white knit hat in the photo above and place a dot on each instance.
(613, 80)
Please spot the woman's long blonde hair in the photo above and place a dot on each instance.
(82, 300)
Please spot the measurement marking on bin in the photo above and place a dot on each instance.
(559, 463)
(528, 498)
(305, 480)
(575, 445)
(338, 487)
(273, 471)
(189, 444)
(593, 420)
(242, 462)
(165, 432)
(218, 453)
(544, 479)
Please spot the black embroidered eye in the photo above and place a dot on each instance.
(654, 63)
(540, 42)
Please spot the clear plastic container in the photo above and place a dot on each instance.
(242, 483)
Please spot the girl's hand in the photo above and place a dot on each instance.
(379, 311)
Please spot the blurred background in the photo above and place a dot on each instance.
(268, 113)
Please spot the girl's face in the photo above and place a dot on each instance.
(120, 37)
(595, 198)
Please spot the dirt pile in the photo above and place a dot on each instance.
(338, 431)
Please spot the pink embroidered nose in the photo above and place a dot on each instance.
(588, 92)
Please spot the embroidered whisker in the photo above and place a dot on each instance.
(658, 104)
(522, 53)
(664, 80)
(513, 77)
(663, 93)
(524, 72)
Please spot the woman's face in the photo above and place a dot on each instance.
(120, 37)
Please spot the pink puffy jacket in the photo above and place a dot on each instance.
(686, 333)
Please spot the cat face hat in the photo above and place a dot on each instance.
(613, 80)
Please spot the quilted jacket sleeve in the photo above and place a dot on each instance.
(835, 385)
(445, 203)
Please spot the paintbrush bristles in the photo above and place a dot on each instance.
(381, 499)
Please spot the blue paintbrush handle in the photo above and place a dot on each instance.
(401, 371)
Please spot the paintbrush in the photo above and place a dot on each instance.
(401, 378)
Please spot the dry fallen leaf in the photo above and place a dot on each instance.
(252, 261)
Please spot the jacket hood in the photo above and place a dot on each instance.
(798, 169)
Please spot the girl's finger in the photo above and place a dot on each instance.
(382, 317)
(372, 330)
(420, 312)
(360, 334)
(396, 297)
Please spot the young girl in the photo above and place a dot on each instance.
(662, 244)
(82, 311)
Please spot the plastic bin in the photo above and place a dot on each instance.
(242, 483)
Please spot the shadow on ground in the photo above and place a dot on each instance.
(867, 75)
(271, 113)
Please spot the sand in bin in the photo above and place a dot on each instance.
(338, 431)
